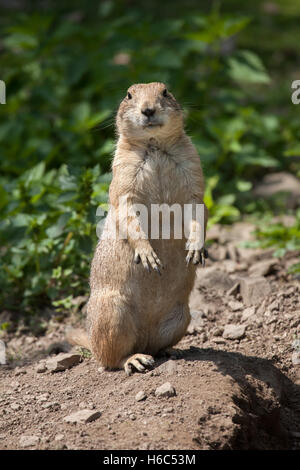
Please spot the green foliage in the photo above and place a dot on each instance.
(281, 237)
(48, 233)
(66, 69)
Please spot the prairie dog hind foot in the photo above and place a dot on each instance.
(137, 361)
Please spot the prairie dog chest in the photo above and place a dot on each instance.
(161, 177)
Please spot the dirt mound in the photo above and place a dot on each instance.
(234, 383)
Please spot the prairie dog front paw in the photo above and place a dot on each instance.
(197, 256)
(145, 254)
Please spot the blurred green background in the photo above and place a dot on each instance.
(67, 65)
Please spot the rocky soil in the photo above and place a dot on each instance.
(233, 383)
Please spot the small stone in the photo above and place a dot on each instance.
(14, 384)
(20, 371)
(63, 361)
(15, 406)
(165, 390)
(217, 331)
(84, 405)
(51, 404)
(41, 368)
(235, 306)
(83, 416)
(230, 266)
(59, 437)
(234, 331)
(167, 368)
(262, 268)
(290, 291)
(196, 324)
(296, 358)
(214, 278)
(169, 409)
(274, 305)
(29, 441)
(44, 397)
(248, 313)
(30, 340)
(218, 340)
(132, 417)
(140, 396)
(254, 290)
(203, 337)
(296, 344)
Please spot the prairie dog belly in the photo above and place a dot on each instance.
(160, 179)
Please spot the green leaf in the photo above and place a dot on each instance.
(57, 229)
(246, 67)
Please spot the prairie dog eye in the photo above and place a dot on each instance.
(165, 93)
(129, 96)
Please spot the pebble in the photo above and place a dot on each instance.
(15, 406)
(82, 416)
(43, 397)
(219, 340)
(248, 313)
(51, 404)
(62, 362)
(217, 331)
(262, 268)
(274, 305)
(84, 405)
(254, 289)
(169, 409)
(29, 441)
(296, 344)
(19, 371)
(167, 368)
(197, 322)
(234, 331)
(165, 390)
(296, 358)
(235, 305)
(14, 384)
(30, 339)
(140, 396)
(41, 368)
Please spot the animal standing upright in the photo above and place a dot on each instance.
(133, 312)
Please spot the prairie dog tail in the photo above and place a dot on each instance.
(78, 337)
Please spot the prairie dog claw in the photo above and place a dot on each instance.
(197, 256)
(149, 259)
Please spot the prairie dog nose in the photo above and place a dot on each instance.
(148, 112)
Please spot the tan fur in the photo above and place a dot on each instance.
(133, 314)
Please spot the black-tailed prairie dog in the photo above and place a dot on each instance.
(140, 285)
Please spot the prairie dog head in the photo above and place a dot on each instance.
(148, 111)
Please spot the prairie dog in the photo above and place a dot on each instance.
(139, 286)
